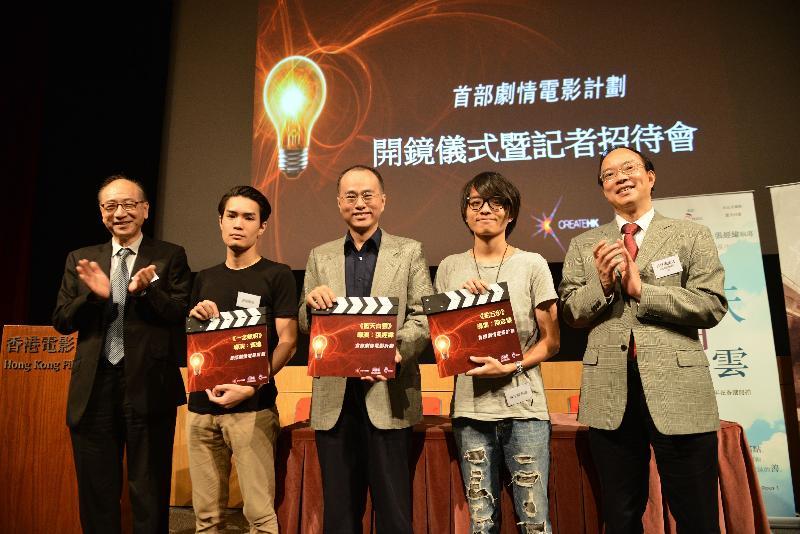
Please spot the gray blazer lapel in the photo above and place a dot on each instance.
(653, 240)
(386, 265)
(610, 232)
(330, 265)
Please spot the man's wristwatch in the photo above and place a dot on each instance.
(520, 369)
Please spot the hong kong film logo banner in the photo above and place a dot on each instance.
(741, 349)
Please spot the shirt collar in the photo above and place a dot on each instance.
(375, 239)
(643, 221)
(115, 246)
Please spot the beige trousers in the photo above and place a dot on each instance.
(249, 438)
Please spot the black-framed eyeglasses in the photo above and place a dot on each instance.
(128, 205)
(495, 203)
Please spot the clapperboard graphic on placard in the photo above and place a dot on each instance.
(354, 337)
(464, 325)
(229, 349)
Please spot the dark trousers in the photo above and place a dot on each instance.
(353, 455)
(687, 465)
(107, 429)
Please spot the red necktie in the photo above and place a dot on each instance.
(629, 241)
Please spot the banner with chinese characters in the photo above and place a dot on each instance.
(40, 491)
(537, 105)
(29, 349)
(464, 325)
(356, 337)
(229, 349)
(741, 349)
(785, 202)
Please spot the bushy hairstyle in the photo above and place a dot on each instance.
(493, 184)
(264, 209)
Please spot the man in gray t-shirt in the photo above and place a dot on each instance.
(499, 410)
(530, 284)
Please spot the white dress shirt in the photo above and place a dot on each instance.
(115, 248)
(643, 222)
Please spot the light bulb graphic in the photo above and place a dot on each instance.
(293, 95)
(318, 344)
(443, 346)
(196, 362)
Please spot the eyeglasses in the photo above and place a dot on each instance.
(352, 197)
(495, 203)
(128, 205)
(627, 168)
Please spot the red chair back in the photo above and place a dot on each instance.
(573, 403)
(302, 410)
(431, 406)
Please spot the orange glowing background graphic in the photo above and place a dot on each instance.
(293, 96)
(363, 71)
(332, 349)
(318, 345)
(360, 103)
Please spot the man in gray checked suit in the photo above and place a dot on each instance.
(363, 426)
(645, 284)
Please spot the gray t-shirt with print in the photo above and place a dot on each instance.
(529, 284)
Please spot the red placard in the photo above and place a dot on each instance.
(483, 330)
(231, 356)
(352, 345)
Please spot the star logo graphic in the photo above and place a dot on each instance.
(545, 225)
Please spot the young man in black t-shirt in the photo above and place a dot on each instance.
(231, 419)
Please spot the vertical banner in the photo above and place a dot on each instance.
(741, 349)
(785, 202)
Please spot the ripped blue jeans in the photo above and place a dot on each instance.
(524, 446)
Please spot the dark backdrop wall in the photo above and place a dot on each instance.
(83, 99)
(21, 102)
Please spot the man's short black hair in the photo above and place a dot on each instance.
(264, 209)
(114, 178)
(373, 170)
(493, 184)
(648, 165)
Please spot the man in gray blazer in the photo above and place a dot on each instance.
(363, 426)
(644, 284)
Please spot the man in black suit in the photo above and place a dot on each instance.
(126, 298)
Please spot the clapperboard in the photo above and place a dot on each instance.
(463, 324)
(229, 349)
(355, 337)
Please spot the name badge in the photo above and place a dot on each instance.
(517, 394)
(667, 266)
(246, 300)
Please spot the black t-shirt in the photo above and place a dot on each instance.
(274, 283)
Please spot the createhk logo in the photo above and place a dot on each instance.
(546, 225)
